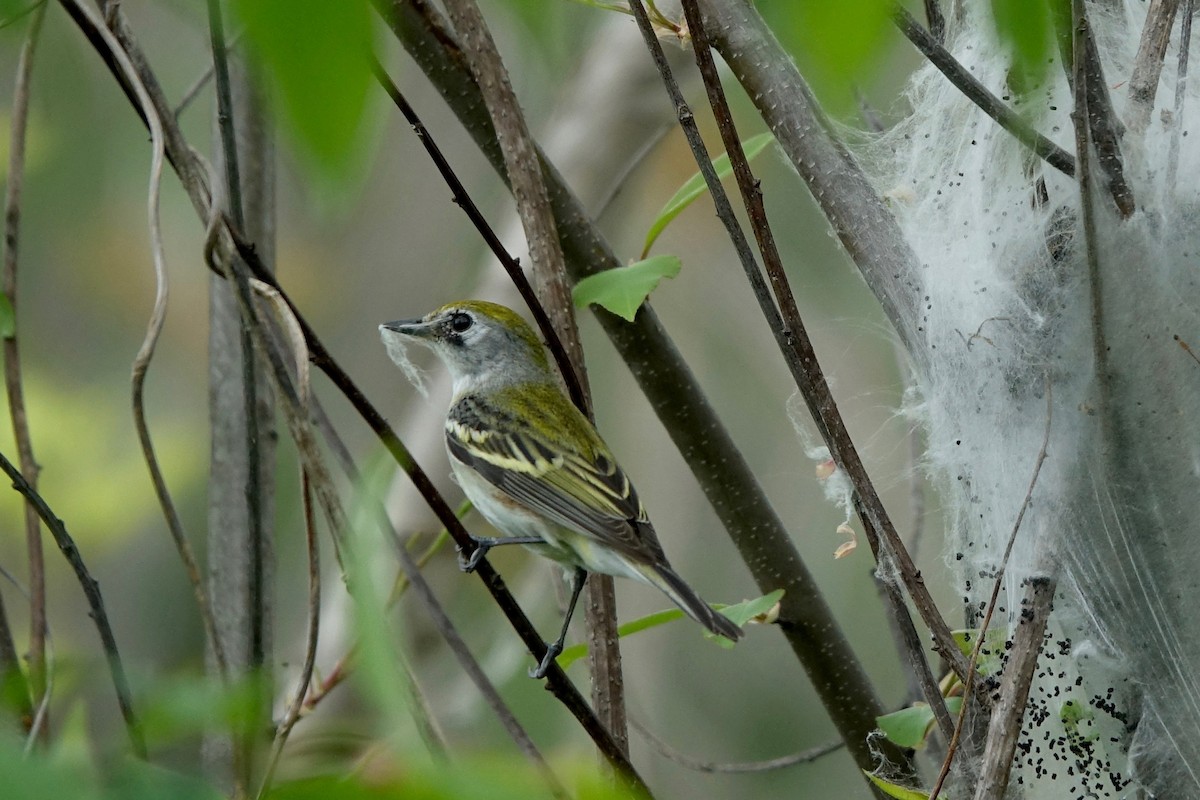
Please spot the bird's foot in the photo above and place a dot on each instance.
(469, 563)
(541, 669)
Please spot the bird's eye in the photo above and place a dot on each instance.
(461, 322)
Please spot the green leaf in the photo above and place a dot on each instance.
(571, 654)
(910, 727)
(694, 186)
(989, 654)
(893, 790)
(8, 318)
(837, 45)
(1026, 26)
(738, 613)
(316, 54)
(623, 290)
(743, 612)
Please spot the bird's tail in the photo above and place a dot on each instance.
(674, 587)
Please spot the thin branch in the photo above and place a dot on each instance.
(298, 705)
(736, 767)
(193, 91)
(1105, 128)
(1181, 78)
(34, 690)
(995, 598)
(851, 725)
(253, 490)
(1148, 64)
(935, 20)
(1084, 132)
(91, 590)
(979, 94)
(1004, 731)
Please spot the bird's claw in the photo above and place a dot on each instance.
(552, 652)
(469, 563)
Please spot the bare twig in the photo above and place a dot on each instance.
(1004, 730)
(994, 599)
(298, 705)
(292, 715)
(34, 690)
(1105, 129)
(856, 213)
(931, 47)
(935, 20)
(91, 590)
(671, 754)
(1147, 66)
(1084, 139)
(1181, 78)
(193, 91)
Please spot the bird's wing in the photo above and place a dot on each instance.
(580, 488)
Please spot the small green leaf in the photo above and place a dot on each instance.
(317, 56)
(8, 318)
(837, 45)
(1025, 25)
(989, 654)
(893, 790)
(571, 654)
(910, 727)
(741, 613)
(738, 613)
(623, 290)
(694, 186)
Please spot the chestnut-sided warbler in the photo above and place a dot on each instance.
(533, 465)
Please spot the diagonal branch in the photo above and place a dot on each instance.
(91, 590)
(931, 47)
(1148, 64)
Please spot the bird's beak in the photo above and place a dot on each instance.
(416, 328)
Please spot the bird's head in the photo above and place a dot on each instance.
(478, 341)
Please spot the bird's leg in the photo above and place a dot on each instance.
(552, 651)
(483, 545)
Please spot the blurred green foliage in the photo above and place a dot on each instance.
(316, 55)
(1027, 27)
(838, 46)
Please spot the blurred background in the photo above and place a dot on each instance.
(388, 243)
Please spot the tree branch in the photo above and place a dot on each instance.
(91, 590)
(1148, 64)
(25, 693)
(979, 94)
